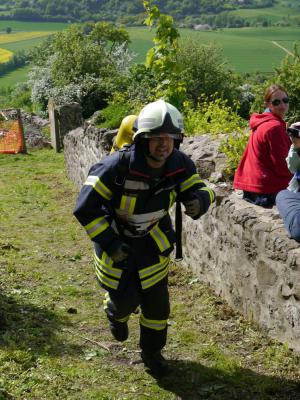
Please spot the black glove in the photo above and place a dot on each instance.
(121, 253)
(193, 207)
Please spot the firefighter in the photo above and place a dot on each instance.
(124, 207)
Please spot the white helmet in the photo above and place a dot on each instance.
(159, 117)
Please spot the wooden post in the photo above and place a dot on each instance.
(24, 149)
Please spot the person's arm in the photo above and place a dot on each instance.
(278, 143)
(293, 158)
(194, 194)
(93, 209)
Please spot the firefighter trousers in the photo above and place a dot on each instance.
(155, 309)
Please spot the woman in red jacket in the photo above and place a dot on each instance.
(262, 171)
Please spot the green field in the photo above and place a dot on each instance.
(31, 26)
(20, 75)
(282, 10)
(246, 49)
(17, 76)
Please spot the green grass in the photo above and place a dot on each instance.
(10, 79)
(54, 341)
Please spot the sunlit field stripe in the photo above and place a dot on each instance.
(5, 55)
(19, 36)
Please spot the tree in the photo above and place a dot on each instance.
(205, 72)
(8, 30)
(72, 66)
(106, 34)
(161, 58)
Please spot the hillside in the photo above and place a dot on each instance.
(83, 10)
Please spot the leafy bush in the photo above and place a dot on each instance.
(214, 117)
(112, 115)
(18, 96)
(204, 71)
(233, 146)
(137, 89)
(217, 118)
(83, 64)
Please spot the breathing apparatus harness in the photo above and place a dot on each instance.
(154, 119)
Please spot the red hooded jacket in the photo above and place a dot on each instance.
(263, 168)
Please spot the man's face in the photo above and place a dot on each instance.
(161, 146)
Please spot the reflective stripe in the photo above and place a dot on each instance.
(107, 267)
(160, 238)
(163, 262)
(210, 192)
(128, 204)
(173, 195)
(156, 278)
(106, 280)
(136, 185)
(103, 266)
(106, 308)
(99, 186)
(125, 319)
(105, 301)
(96, 227)
(191, 181)
(157, 324)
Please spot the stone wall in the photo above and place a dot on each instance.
(242, 251)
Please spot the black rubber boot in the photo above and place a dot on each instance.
(156, 363)
(118, 329)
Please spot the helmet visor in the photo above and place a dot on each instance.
(149, 135)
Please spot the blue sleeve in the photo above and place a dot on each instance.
(94, 209)
(194, 187)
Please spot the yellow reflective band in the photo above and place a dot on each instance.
(163, 262)
(99, 186)
(193, 180)
(173, 195)
(160, 238)
(105, 303)
(154, 279)
(158, 325)
(115, 272)
(96, 227)
(128, 204)
(105, 280)
(106, 259)
(210, 192)
(125, 319)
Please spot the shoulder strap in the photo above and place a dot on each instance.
(123, 166)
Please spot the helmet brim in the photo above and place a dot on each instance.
(144, 133)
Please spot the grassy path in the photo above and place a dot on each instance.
(54, 342)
